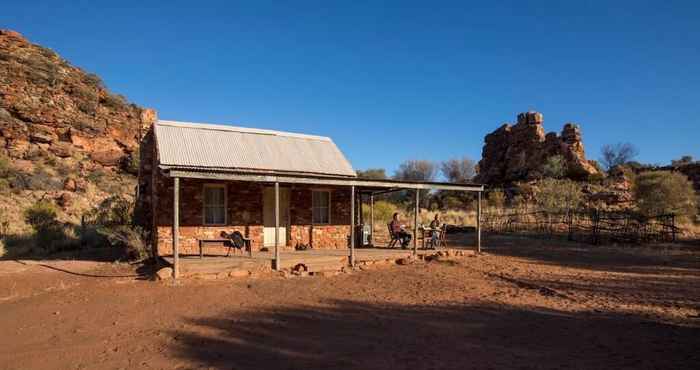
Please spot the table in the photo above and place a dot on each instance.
(430, 230)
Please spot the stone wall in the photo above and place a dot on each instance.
(245, 214)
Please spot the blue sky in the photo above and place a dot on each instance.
(392, 81)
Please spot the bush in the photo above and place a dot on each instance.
(554, 196)
(664, 192)
(49, 233)
(115, 210)
(132, 162)
(115, 101)
(554, 167)
(383, 211)
(496, 199)
(133, 240)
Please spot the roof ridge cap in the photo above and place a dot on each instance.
(248, 130)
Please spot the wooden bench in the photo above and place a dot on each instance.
(202, 243)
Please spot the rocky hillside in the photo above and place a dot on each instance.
(517, 152)
(63, 136)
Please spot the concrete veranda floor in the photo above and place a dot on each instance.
(313, 260)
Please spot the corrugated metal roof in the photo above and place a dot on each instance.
(184, 144)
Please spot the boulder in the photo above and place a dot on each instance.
(165, 273)
(61, 149)
(516, 152)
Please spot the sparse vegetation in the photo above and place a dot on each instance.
(115, 101)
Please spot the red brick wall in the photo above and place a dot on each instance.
(245, 214)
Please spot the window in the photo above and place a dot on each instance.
(321, 207)
(214, 204)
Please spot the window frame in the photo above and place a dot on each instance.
(328, 208)
(204, 204)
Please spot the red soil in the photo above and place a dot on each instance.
(522, 304)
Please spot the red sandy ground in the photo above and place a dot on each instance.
(522, 304)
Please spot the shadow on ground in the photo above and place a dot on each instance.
(356, 335)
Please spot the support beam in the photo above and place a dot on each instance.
(176, 228)
(392, 185)
(277, 226)
(415, 224)
(352, 226)
(371, 218)
(478, 223)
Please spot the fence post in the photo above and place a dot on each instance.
(673, 227)
(570, 221)
(596, 231)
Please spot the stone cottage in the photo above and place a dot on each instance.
(279, 189)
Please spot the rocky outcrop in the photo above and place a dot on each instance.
(66, 125)
(517, 152)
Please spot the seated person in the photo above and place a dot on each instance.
(398, 230)
(435, 233)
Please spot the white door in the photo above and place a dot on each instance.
(269, 216)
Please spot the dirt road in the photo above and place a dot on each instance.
(523, 304)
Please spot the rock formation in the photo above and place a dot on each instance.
(517, 152)
(62, 131)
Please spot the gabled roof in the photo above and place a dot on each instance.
(205, 146)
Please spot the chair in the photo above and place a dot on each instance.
(240, 242)
(394, 237)
(442, 238)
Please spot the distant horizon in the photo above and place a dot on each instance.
(398, 82)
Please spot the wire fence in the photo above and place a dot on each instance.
(589, 225)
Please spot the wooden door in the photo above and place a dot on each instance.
(269, 216)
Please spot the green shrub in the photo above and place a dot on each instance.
(554, 167)
(48, 232)
(554, 196)
(132, 162)
(664, 192)
(41, 214)
(383, 211)
(115, 210)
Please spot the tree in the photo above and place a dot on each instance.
(416, 170)
(372, 173)
(458, 170)
(554, 167)
(664, 192)
(617, 154)
(684, 160)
